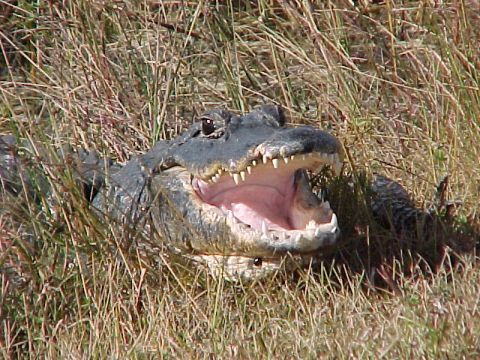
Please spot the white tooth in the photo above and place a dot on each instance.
(231, 217)
(298, 237)
(236, 178)
(282, 236)
(214, 179)
(334, 220)
(318, 232)
(286, 159)
(311, 225)
(243, 175)
(265, 237)
(249, 169)
(331, 226)
(265, 159)
(275, 163)
(219, 171)
(264, 227)
(304, 157)
(254, 162)
(292, 157)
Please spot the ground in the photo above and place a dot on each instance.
(396, 81)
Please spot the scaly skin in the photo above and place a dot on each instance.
(183, 193)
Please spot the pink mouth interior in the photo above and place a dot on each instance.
(267, 195)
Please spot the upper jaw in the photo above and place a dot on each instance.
(245, 145)
(312, 161)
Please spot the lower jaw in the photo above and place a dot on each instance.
(245, 268)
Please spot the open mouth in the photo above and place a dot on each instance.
(273, 197)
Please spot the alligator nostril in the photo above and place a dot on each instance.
(257, 261)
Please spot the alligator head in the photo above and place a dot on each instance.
(234, 191)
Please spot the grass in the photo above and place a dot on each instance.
(397, 82)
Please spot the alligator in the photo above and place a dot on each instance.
(236, 193)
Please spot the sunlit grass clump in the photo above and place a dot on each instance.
(397, 82)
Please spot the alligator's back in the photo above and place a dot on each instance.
(392, 206)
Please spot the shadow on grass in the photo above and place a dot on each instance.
(387, 239)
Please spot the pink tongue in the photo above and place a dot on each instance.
(253, 204)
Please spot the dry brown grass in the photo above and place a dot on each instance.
(397, 82)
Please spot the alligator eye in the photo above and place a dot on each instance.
(257, 261)
(208, 126)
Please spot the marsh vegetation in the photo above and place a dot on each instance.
(396, 81)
